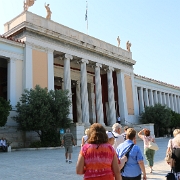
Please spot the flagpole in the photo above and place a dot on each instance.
(86, 15)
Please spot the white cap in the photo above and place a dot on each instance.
(110, 134)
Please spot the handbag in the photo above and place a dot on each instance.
(153, 146)
(170, 176)
(169, 154)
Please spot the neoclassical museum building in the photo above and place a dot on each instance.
(98, 75)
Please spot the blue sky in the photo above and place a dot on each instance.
(152, 26)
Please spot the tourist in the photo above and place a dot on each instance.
(85, 137)
(149, 153)
(124, 133)
(171, 144)
(111, 137)
(117, 132)
(170, 147)
(68, 142)
(93, 160)
(135, 164)
(3, 144)
(119, 119)
(175, 163)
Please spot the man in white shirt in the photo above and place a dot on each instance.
(3, 144)
(117, 132)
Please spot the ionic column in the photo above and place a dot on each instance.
(155, 97)
(151, 100)
(171, 102)
(92, 110)
(164, 98)
(84, 92)
(146, 98)
(50, 70)
(141, 100)
(78, 103)
(99, 106)
(67, 80)
(168, 100)
(178, 103)
(175, 104)
(123, 111)
(112, 112)
(12, 82)
(159, 98)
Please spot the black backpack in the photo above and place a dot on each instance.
(170, 176)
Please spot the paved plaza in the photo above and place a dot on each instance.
(49, 164)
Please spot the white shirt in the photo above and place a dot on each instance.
(117, 140)
(85, 139)
(3, 142)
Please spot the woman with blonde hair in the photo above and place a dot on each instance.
(149, 153)
(171, 144)
(85, 137)
(97, 159)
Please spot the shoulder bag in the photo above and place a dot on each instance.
(169, 154)
(153, 146)
(127, 155)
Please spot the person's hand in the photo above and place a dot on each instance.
(144, 177)
(124, 158)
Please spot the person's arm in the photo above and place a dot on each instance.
(140, 134)
(82, 141)
(115, 168)
(80, 165)
(141, 165)
(122, 162)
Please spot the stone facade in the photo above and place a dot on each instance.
(98, 75)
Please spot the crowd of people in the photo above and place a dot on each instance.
(113, 155)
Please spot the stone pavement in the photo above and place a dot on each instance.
(49, 164)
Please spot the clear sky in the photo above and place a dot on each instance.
(152, 26)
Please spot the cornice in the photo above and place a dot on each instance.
(156, 82)
(71, 40)
(12, 41)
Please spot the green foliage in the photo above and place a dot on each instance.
(5, 107)
(175, 120)
(159, 115)
(43, 112)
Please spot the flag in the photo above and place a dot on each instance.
(86, 15)
(86, 11)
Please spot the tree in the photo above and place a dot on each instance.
(159, 115)
(43, 112)
(175, 120)
(5, 108)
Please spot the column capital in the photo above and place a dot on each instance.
(85, 61)
(68, 56)
(49, 50)
(98, 65)
(110, 68)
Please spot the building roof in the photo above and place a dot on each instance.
(12, 39)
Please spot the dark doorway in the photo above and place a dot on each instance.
(3, 78)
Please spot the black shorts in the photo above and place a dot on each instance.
(132, 178)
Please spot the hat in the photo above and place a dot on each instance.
(110, 134)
